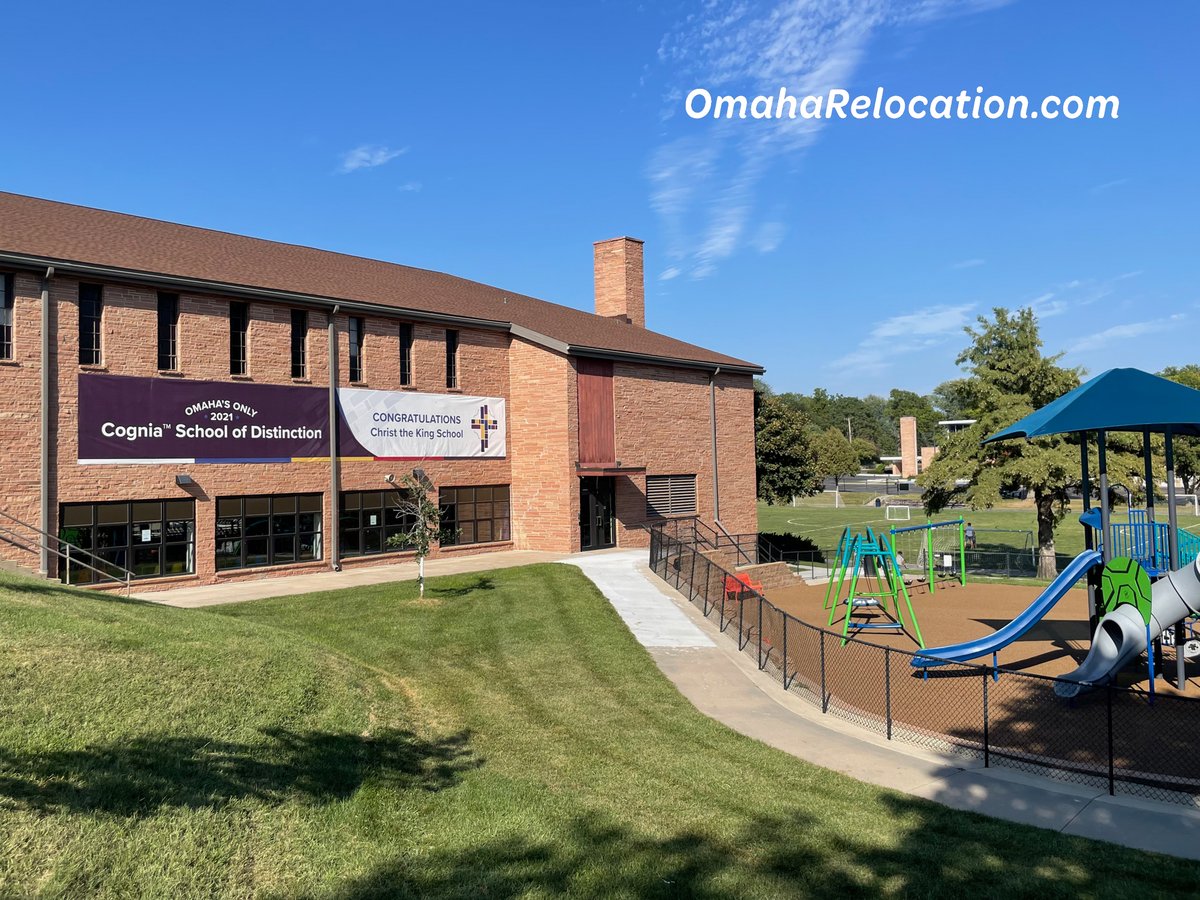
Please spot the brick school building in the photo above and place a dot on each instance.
(189, 406)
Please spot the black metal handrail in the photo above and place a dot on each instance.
(72, 555)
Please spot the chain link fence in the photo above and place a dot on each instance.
(1109, 739)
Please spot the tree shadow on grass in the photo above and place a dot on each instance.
(482, 583)
(931, 852)
(142, 776)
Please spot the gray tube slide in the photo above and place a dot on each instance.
(1121, 635)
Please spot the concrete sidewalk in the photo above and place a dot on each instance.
(258, 589)
(726, 685)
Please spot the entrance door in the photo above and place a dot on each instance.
(597, 499)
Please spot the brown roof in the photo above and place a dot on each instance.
(45, 230)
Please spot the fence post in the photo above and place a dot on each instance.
(824, 695)
(692, 577)
(707, 581)
(1008, 563)
(785, 678)
(987, 744)
(1108, 697)
(887, 688)
(741, 601)
(761, 665)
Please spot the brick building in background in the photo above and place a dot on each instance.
(198, 427)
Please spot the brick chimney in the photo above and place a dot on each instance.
(620, 283)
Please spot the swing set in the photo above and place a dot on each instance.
(869, 563)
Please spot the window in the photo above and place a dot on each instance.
(369, 518)
(149, 538)
(299, 343)
(406, 348)
(357, 328)
(268, 531)
(168, 332)
(451, 358)
(474, 515)
(239, 327)
(91, 310)
(6, 316)
(670, 495)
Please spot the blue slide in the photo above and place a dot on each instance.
(1001, 638)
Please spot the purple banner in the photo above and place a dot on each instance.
(124, 419)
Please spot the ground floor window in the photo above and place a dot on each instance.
(268, 531)
(474, 515)
(369, 518)
(150, 538)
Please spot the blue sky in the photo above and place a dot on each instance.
(497, 141)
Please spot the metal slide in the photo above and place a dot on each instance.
(1121, 635)
(1033, 614)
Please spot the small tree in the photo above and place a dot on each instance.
(836, 458)
(1187, 449)
(783, 458)
(425, 529)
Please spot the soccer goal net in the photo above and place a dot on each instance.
(898, 513)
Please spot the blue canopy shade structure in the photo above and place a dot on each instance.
(1116, 400)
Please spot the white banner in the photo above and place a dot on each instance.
(406, 425)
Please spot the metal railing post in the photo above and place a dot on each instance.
(741, 602)
(887, 688)
(987, 749)
(785, 678)
(761, 665)
(1108, 697)
(824, 695)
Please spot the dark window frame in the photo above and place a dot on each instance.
(91, 324)
(168, 332)
(232, 543)
(406, 354)
(8, 315)
(96, 537)
(299, 343)
(357, 330)
(239, 338)
(452, 344)
(356, 509)
(460, 512)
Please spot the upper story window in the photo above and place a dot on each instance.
(451, 358)
(168, 332)
(406, 349)
(91, 312)
(357, 330)
(299, 343)
(6, 316)
(239, 327)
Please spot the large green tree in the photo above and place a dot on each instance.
(784, 460)
(836, 457)
(1187, 449)
(1008, 377)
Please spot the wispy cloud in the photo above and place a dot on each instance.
(968, 263)
(1101, 339)
(906, 333)
(1108, 185)
(367, 156)
(705, 189)
(410, 187)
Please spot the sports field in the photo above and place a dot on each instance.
(1000, 528)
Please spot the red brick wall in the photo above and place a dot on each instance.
(664, 423)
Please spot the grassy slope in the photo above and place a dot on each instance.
(504, 736)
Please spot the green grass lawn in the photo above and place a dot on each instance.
(994, 527)
(506, 736)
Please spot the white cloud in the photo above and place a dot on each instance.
(368, 156)
(769, 237)
(968, 263)
(905, 334)
(1108, 185)
(1101, 339)
(670, 272)
(705, 189)
(410, 187)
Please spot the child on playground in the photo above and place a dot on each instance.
(969, 534)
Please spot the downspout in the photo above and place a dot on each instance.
(712, 388)
(335, 476)
(47, 344)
